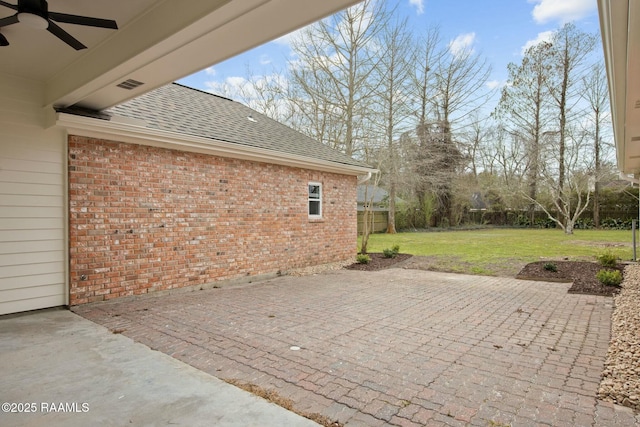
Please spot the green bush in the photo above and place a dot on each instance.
(391, 253)
(388, 253)
(616, 224)
(584, 224)
(544, 223)
(607, 259)
(550, 266)
(363, 259)
(522, 221)
(609, 277)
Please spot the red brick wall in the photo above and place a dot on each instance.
(143, 219)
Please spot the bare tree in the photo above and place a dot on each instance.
(567, 54)
(331, 78)
(506, 156)
(474, 140)
(523, 108)
(459, 91)
(427, 55)
(392, 94)
(571, 198)
(595, 91)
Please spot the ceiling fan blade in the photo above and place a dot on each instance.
(3, 41)
(9, 20)
(9, 5)
(65, 37)
(83, 20)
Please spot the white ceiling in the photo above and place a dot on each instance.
(158, 41)
(38, 55)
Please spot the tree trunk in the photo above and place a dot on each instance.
(391, 223)
(596, 187)
(568, 228)
(596, 205)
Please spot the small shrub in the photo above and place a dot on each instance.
(584, 224)
(616, 224)
(391, 253)
(522, 221)
(544, 223)
(388, 253)
(609, 277)
(607, 259)
(550, 266)
(363, 259)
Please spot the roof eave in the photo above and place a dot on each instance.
(614, 23)
(131, 133)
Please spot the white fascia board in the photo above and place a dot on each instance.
(614, 27)
(131, 133)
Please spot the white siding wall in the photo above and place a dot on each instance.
(32, 202)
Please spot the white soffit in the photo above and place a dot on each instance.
(620, 28)
(200, 33)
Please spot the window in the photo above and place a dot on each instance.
(315, 200)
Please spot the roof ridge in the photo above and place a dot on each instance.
(205, 92)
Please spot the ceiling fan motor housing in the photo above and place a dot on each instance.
(35, 14)
(34, 7)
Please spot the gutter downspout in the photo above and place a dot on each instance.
(364, 178)
(628, 178)
(633, 181)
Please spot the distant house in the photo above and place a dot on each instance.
(378, 197)
(181, 188)
(477, 202)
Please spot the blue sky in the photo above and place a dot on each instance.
(497, 29)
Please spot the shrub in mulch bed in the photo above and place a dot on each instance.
(379, 261)
(581, 273)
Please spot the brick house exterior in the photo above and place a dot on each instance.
(146, 218)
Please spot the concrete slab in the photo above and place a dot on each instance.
(69, 371)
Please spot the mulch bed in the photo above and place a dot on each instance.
(379, 262)
(581, 273)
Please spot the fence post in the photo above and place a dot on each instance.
(633, 230)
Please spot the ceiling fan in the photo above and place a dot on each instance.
(35, 14)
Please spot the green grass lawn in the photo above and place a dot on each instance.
(503, 251)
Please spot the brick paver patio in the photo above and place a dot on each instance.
(394, 347)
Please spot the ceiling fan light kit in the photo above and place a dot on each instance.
(35, 14)
(33, 21)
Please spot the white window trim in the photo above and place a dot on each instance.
(309, 200)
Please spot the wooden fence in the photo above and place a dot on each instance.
(380, 219)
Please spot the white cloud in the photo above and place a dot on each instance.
(494, 84)
(242, 89)
(255, 92)
(462, 43)
(229, 87)
(419, 4)
(210, 71)
(288, 39)
(265, 59)
(544, 36)
(561, 10)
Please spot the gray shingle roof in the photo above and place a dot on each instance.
(376, 193)
(188, 111)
